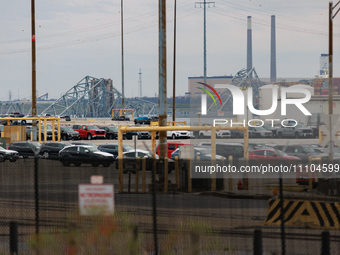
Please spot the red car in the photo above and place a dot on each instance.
(89, 131)
(171, 147)
(272, 156)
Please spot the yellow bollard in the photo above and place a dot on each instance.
(31, 136)
(137, 175)
(177, 171)
(53, 130)
(59, 135)
(17, 136)
(166, 175)
(143, 175)
(230, 173)
(45, 131)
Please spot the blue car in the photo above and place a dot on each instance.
(142, 120)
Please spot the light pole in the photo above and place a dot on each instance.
(330, 81)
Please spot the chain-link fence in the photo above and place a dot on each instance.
(42, 196)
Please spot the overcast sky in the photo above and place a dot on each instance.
(78, 38)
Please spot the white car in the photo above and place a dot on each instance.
(138, 153)
(219, 134)
(11, 155)
(178, 134)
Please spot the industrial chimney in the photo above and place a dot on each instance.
(273, 51)
(249, 45)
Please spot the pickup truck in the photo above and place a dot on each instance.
(121, 118)
(89, 132)
(299, 131)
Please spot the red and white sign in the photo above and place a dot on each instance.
(96, 199)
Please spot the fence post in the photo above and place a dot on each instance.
(230, 173)
(137, 175)
(134, 245)
(13, 237)
(257, 242)
(310, 175)
(223, 182)
(143, 174)
(177, 171)
(213, 157)
(166, 175)
(325, 247)
(189, 176)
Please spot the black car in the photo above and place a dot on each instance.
(25, 149)
(130, 134)
(83, 154)
(111, 132)
(121, 118)
(315, 131)
(49, 132)
(113, 148)
(51, 150)
(67, 133)
(10, 155)
(67, 118)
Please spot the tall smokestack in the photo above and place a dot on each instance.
(273, 51)
(249, 45)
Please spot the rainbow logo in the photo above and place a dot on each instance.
(209, 93)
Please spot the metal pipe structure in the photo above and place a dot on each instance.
(38, 119)
(126, 129)
(273, 51)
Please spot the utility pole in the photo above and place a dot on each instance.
(174, 71)
(140, 83)
(10, 95)
(34, 92)
(205, 36)
(122, 37)
(330, 82)
(162, 81)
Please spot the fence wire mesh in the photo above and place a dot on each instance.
(197, 222)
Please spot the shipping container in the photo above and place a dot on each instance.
(317, 93)
(336, 93)
(324, 92)
(319, 85)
